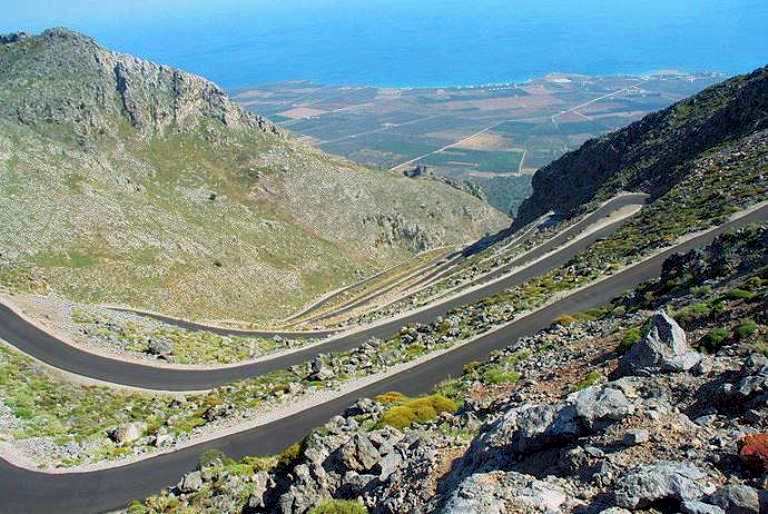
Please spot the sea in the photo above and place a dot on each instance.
(415, 43)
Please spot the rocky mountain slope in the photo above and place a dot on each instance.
(656, 153)
(129, 182)
(655, 403)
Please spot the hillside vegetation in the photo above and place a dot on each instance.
(661, 152)
(129, 182)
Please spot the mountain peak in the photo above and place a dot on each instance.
(94, 90)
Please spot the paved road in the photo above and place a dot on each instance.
(45, 347)
(24, 491)
(552, 244)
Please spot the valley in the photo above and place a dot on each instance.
(202, 311)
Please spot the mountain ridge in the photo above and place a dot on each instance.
(643, 155)
(130, 182)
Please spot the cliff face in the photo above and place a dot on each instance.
(123, 180)
(651, 154)
(66, 78)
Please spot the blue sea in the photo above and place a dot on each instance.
(414, 43)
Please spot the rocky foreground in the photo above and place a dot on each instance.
(656, 403)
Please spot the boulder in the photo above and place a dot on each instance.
(530, 428)
(128, 432)
(359, 454)
(736, 499)
(191, 482)
(664, 349)
(697, 507)
(753, 452)
(663, 481)
(498, 492)
(159, 347)
(634, 437)
(320, 371)
(261, 482)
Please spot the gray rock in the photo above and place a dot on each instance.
(320, 371)
(664, 349)
(633, 437)
(650, 483)
(737, 499)
(261, 482)
(359, 454)
(388, 465)
(697, 507)
(191, 482)
(159, 347)
(498, 492)
(128, 432)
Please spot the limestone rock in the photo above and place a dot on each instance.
(668, 481)
(664, 349)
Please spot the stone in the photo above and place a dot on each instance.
(388, 465)
(664, 349)
(753, 452)
(697, 507)
(159, 347)
(662, 481)
(191, 482)
(498, 492)
(128, 432)
(261, 482)
(320, 371)
(736, 499)
(634, 437)
(359, 454)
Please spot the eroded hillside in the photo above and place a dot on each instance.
(129, 182)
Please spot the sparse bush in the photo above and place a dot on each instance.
(693, 312)
(630, 338)
(714, 339)
(390, 397)
(761, 347)
(339, 507)
(289, 455)
(745, 329)
(417, 410)
(739, 294)
(211, 456)
(755, 283)
(565, 320)
(590, 379)
(701, 291)
(497, 375)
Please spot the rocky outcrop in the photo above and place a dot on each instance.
(154, 99)
(645, 155)
(663, 349)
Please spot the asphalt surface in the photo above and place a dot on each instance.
(45, 347)
(24, 491)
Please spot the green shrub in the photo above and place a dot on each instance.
(701, 291)
(714, 339)
(399, 417)
(497, 375)
(745, 329)
(755, 283)
(693, 312)
(761, 347)
(339, 507)
(591, 378)
(565, 320)
(739, 294)
(629, 339)
(390, 397)
(416, 410)
(212, 455)
(289, 455)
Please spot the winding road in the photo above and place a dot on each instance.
(26, 491)
(45, 347)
